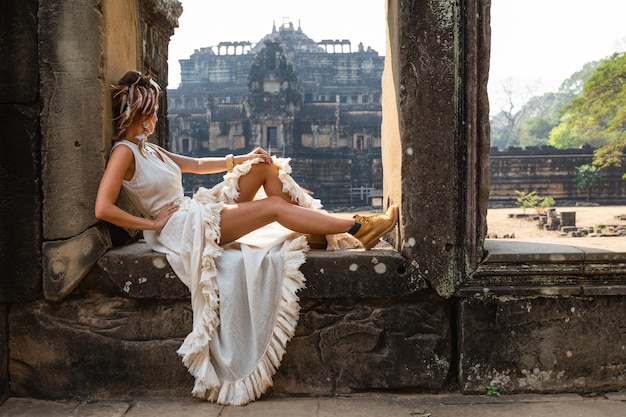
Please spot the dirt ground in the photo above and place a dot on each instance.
(499, 224)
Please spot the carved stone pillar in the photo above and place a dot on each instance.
(78, 67)
(435, 134)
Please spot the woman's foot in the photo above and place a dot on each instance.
(371, 228)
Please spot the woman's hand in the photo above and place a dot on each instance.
(164, 215)
(256, 153)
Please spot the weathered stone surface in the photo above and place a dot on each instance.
(98, 347)
(430, 190)
(111, 408)
(102, 347)
(184, 408)
(158, 20)
(4, 354)
(66, 262)
(549, 267)
(380, 273)
(141, 273)
(21, 407)
(438, 124)
(302, 370)
(20, 204)
(19, 67)
(399, 347)
(73, 91)
(341, 348)
(542, 344)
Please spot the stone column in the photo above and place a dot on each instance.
(85, 46)
(435, 134)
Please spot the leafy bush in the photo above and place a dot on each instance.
(532, 201)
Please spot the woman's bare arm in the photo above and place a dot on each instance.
(213, 165)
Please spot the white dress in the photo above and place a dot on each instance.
(243, 296)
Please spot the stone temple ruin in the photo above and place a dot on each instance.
(319, 103)
(87, 313)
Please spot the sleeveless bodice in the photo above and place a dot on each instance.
(156, 181)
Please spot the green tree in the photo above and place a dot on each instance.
(536, 131)
(500, 131)
(531, 200)
(610, 155)
(532, 124)
(574, 84)
(597, 115)
(586, 177)
(564, 135)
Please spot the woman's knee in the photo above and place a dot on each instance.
(277, 203)
(271, 207)
(263, 169)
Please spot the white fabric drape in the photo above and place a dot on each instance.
(243, 296)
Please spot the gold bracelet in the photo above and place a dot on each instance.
(230, 162)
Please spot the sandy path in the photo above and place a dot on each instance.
(499, 224)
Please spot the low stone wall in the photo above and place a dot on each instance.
(366, 323)
(533, 318)
(552, 173)
(544, 318)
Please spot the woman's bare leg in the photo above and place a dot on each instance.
(261, 175)
(242, 218)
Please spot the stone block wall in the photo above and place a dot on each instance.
(551, 172)
(20, 194)
(543, 344)
(4, 354)
(544, 318)
(59, 59)
(365, 324)
(378, 344)
(98, 347)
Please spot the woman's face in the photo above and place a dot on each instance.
(152, 121)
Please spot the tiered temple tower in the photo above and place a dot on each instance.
(316, 102)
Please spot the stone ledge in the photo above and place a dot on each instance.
(382, 272)
(593, 266)
(575, 250)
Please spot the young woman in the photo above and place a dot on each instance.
(207, 242)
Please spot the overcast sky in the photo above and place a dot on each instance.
(206, 23)
(536, 44)
(540, 43)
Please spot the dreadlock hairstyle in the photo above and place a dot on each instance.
(134, 96)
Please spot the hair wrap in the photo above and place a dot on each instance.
(134, 96)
